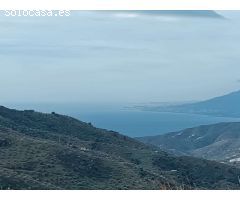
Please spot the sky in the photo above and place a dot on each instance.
(112, 57)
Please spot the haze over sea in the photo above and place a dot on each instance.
(119, 58)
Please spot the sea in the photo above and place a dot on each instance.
(130, 122)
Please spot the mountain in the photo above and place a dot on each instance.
(226, 105)
(52, 151)
(220, 142)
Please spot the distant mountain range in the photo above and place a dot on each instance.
(52, 151)
(220, 142)
(224, 106)
(177, 13)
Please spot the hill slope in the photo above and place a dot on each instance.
(51, 151)
(226, 105)
(219, 142)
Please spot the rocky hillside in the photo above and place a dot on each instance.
(220, 142)
(51, 151)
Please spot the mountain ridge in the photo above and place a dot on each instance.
(220, 142)
(222, 106)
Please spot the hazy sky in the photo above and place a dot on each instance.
(107, 57)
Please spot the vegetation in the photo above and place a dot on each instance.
(220, 142)
(52, 151)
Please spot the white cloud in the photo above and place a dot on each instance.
(126, 15)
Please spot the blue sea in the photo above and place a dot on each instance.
(144, 123)
(130, 122)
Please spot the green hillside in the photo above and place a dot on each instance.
(52, 151)
(220, 142)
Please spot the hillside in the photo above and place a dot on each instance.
(220, 142)
(52, 151)
(226, 105)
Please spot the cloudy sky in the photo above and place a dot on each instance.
(114, 57)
